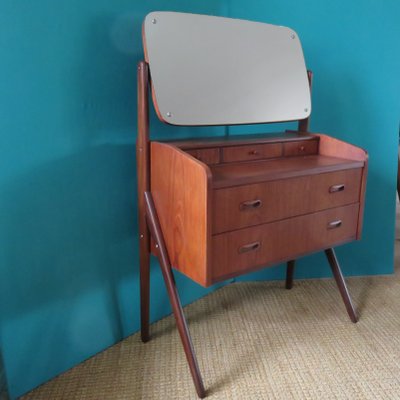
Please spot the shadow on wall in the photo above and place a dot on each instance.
(64, 224)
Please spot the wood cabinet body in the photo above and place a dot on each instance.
(215, 208)
(228, 206)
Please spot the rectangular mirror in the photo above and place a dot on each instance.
(208, 70)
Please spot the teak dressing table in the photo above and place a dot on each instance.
(215, 208)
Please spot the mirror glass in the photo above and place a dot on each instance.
(208, 70)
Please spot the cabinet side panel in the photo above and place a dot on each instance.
(180, 189)
(362, 199)
(329, 146)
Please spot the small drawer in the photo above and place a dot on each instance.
(247, 249)
(241, 206)
(301, 148)
(251, 152)
(207, 156)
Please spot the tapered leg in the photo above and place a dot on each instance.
(289, 274)
(156, 233)
(144, 286)
(143, 182)
(337, 273)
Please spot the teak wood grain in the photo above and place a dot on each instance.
(156, 232)
(329, 146)
(207, 156)
(337, 273)
(300, 148)
(195, 200)
(251, 152)
(247, 205)
(238, 140)
(234, 174)
(180, 186)
(363, 189)
(333, 147)
(279, 241)
(143, 182)
(220, 207)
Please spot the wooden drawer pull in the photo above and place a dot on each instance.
(250, 205)
(336, 188)
(335, 224)
(253, 153)
(249, 247)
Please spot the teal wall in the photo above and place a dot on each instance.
(68, 253)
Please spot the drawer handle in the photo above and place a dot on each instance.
(253, 153)
(335, 224)
(302, 148)
(250, 205)
(249, 247)
(336, 188)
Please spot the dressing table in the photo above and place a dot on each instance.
(217, 207)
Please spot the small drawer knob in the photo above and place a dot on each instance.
(253, 153)
(302, 148)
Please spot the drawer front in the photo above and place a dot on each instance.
(251, 152)
(242, 206)
(234, 253)
(301, 148)
(207, 156)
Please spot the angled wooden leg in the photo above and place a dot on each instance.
(289, 274)
(156, 233)
(337, 273)
(144, 286)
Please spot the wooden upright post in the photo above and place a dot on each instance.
(148, 219)
(143, 183)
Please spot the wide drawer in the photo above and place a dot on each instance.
(251, 152)
(243, 206)
(247, 249)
